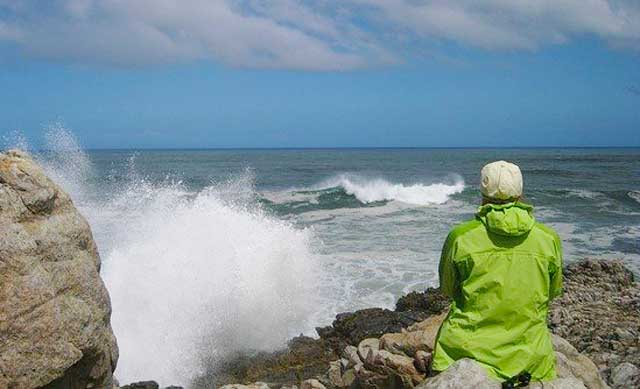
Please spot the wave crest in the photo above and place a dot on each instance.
(373, 190)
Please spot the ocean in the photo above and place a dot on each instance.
(209, 252)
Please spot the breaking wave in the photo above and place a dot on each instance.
(350, 191)
(373, 190)
(192, 276)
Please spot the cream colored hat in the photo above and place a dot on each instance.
(501, 180)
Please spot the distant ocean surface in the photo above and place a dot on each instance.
(207, 252)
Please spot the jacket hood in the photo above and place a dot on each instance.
(511, 219)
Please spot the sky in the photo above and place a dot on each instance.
(324, 73)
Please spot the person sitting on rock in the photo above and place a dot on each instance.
(501, 270)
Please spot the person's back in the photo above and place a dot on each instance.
(501, 270)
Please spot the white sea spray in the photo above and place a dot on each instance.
(192, 275)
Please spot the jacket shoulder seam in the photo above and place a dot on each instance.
(463, 229)
(546, 230)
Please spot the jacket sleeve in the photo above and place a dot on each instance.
(555, 270)
(447, 271)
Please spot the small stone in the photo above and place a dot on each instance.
(335, 374)
(349, 377)
(623, 334)
(312, 384)
(366, 345)
(422, 360)
(255, 385)
(351, 354)
(400, 364)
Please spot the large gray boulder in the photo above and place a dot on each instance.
(464, 373)
(54, 309)
(571, 363)
(625, 375)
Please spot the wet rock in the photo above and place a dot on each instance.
(304, 358)
(142, 385)
(55, 312)
(625, 375)
(431, 301)
(353, 327)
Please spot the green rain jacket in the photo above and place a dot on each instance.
(501, 270)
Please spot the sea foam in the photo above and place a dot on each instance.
(192, 276)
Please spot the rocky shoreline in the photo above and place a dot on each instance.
(55, 327)
(598, 313)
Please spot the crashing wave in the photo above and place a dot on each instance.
(193, 275)
(374, 190)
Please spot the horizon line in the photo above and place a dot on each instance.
(346, 148)
(350, 148)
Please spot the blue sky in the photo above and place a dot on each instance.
(356, 73)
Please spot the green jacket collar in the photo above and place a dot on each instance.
(510, 219)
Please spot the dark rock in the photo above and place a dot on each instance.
(148, 385)
(353, 327)
(142, 385)
(304, 358)
(366, 379)
(431, 301)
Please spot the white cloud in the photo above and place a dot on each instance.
(301, 34)
(141, 32)
(514, 24)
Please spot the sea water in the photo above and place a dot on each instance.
(209, 252)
